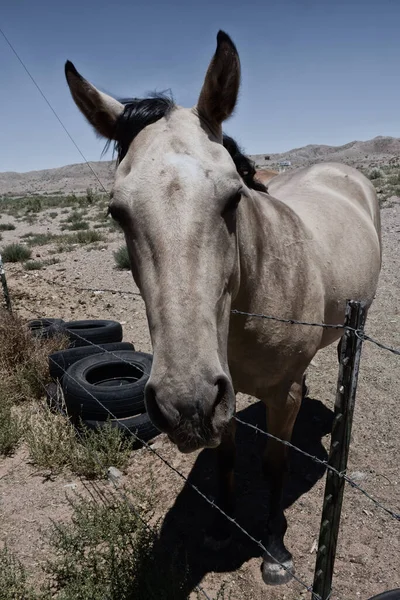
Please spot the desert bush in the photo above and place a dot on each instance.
(34, 205)
(121, 257)
(77, 226)
(10, 426)
(13, 579)
(87, 237)
(98, 450)
(15, 253)
(7, 227)
(33, 265)
(106, 551)
(376, 173)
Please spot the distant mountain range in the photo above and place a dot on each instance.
(77, 178)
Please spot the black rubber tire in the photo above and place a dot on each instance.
(390, 595)
(60, 361)
(92, 331)
(139, 425)
(117, 381)
(45, 328)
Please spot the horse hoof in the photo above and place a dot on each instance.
(216, 544)
(274, 574)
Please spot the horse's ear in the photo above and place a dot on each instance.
(221, 85)
(101, 110)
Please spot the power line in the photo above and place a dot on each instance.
(51, 107)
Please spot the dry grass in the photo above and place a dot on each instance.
(24, 359)
(10, 426)
(55, 444)
(52, 441)
(121, 258)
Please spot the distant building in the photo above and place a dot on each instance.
(285, 163)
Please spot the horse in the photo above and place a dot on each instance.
(265, 175)
(204, 239)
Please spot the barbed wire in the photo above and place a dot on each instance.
(51, 108)
(360, 333)
(191, 485)
(323, 463)
(112, 480)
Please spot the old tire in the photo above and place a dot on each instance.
(92, 331)
(60, 361)
(390, 595)
(45, 328)
(139, 425)
(103, 385)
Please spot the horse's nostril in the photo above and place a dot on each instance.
(165, 420)
(222, 386)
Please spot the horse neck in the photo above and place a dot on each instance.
(264, 227)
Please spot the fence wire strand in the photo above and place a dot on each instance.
(193, 486)
(359, 333)
(112, 480)
(325, 464)
(51, 107)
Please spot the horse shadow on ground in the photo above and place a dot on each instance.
(182, 531)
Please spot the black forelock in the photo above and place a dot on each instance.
(139, 113)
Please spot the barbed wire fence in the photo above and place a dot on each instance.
(322, 585)
(353, 336)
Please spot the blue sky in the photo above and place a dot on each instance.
(313, 71)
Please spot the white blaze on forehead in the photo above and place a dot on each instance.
(186, 165)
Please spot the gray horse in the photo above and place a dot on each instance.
(202, 241)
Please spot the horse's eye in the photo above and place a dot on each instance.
(233, 203)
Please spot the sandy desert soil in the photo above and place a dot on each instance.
(369, 544)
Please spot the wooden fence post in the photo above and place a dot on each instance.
(4, 286)
(350, 354)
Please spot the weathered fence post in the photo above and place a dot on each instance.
(350, 354)
(4, 285)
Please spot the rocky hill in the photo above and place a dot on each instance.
(77, 178)
(378, 151)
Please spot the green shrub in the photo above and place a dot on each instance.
(13, 579)
(15, 253)
(7, 227)
(78, 226)
(87, 237)
(10, 428)
(376, 173)
(107, 552)
(34, 205)
(121, 257)
(33, 265)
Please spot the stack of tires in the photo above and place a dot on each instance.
(102, 378)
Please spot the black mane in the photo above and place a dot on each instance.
(138, 113)
(244, 166)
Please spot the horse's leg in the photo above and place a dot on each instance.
(281, 419)
(219, 533)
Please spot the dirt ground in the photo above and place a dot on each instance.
(368, 557)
